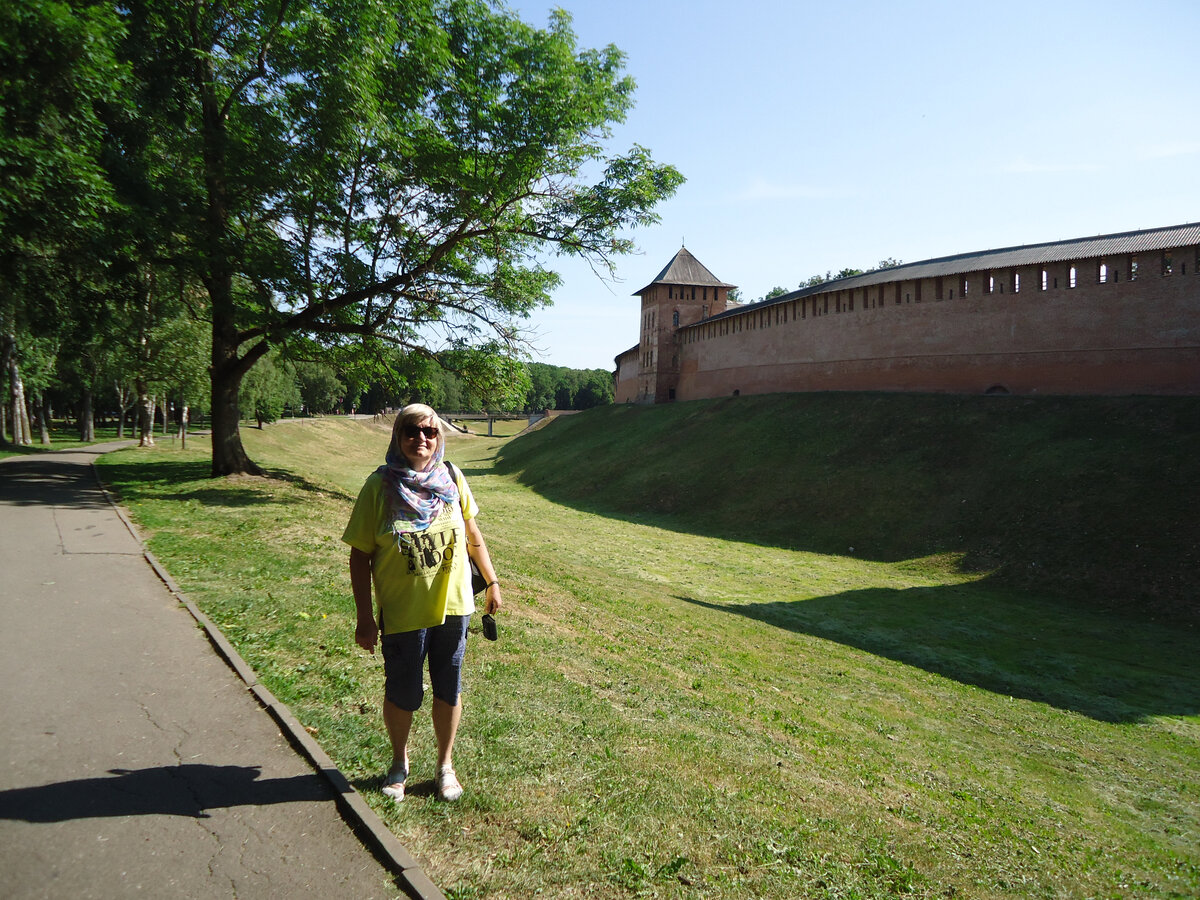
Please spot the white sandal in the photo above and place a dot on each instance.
(393, 784)
(448, 787)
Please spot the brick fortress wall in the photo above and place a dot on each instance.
(1128, 325)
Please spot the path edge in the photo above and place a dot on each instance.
(363, 820)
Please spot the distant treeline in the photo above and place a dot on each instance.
(549, 387)
(273, 387)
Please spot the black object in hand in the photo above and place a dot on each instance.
(489, 626)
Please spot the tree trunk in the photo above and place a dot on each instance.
(145, 415)
(21, 434)
(6, 348)
(183, 426)
(122, 408)
(87, 420)
(39, 411)
(228, 455)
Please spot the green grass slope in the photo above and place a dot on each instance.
(1092, 498)
(678, 716)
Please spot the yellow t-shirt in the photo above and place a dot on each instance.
(420, 576)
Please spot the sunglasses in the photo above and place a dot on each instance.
(430, 432)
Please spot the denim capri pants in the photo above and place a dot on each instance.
(404, 655)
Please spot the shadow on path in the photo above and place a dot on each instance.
(187, 790)
(49, 480)
(1107, 667)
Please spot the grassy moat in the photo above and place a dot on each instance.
(822, 646)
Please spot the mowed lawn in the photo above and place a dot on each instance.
(674, 715)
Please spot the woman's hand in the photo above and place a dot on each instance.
(492, 601)
(478, 552)
(366, 634)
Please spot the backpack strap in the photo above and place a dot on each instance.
(478, 583)
(455, 473)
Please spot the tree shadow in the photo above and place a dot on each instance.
(27, 449)
(1077, 497)
(303, 484)
(136, 483)
(49, 480)
(1108, 667)
(473, 471)
(185, 790)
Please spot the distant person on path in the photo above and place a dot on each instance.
(411, 530)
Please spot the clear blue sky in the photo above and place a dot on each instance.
(818, 135)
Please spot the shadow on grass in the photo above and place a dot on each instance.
(1107, 667)
(139, 480)
(414, 787)
(7, 450)
(474, 471)
(1080, 497)
(60, 442)
(301, 483)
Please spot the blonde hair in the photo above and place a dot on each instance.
(411, 415)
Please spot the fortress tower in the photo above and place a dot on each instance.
(1106, 314)
(682, 294)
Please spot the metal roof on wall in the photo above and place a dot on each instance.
(685, 269)
(1120, 244)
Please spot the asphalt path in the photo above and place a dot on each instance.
(133, 759)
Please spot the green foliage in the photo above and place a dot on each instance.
(320, 389)
(370, 173)
(368, 184)
(180, 364)
(57, 70)
(59, 76)
(556, 387)
(268, 389)
(816, 280)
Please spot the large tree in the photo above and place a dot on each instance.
(59, 77)
(373, 172)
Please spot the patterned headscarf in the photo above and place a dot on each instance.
(417, 497)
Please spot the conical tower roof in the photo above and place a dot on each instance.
(686, 269)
